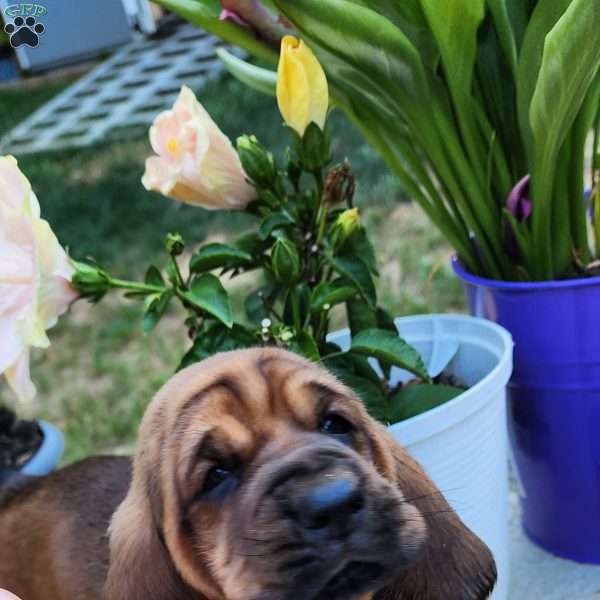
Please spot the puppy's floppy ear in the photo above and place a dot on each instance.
(140, 565)
(454, 563)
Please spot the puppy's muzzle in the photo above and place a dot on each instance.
(328, 504)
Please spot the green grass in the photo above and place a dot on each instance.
(101, 371)
(17, 103)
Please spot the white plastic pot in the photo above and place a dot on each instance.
(463, 444)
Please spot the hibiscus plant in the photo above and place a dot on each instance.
(308, 252)
(481, 107)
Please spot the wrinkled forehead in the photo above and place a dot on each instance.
(248, 395)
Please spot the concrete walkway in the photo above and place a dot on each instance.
(537, 575)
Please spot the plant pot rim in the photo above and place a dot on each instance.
(490, 335)
(48, 454)
(525, 286)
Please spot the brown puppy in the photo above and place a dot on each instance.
(258, 476)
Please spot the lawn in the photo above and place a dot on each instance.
(101, 370)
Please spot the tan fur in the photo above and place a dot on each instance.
(259, 405)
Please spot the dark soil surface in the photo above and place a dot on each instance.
(19, 440)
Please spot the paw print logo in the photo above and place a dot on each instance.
(24, 32)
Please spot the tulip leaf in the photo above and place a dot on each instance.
(590, 112)
(454, 26)
(257, 78)
(570, 61)
(212, 256)
(205, 14)
(208, 294)
(543, 19)
(409, 18)
(358, 273)
(503, 25)
(414, 399)
(389, 347)
(331, 293)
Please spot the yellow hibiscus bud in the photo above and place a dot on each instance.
(302, 92)
(345, 225)
(349, 221)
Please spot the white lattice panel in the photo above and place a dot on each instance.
(128, 89)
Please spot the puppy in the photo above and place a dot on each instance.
(258, 476)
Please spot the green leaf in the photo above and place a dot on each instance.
(519, 13)
(521, 234)
(570, 61)
(302, 295)
(274, 221)
(415, 399)
(385, 320)
(454, 25)
(212, 256)
(314, 151)
(361, 316)
(588, 116)
(208, 294)
(495, 92)
(391, 348)
(156, 309)
(359, 245)
(362, 367)
(358, 273)
(370, 393)
(409, 18)
(543, 19)
(503, 25)
(216, 338)
(256, 303)
(305, 345)
(252, 244)
(331, 293)
(257, 78)
(154, 277)
(195, 354)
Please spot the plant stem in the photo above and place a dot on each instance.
(135, 286)
(178, 276)
(296, 310)
(322, 224)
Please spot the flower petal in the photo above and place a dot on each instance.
(302, 90)
(19, 378)
(196, 162)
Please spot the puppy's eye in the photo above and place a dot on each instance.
(336, 425)
(214, 478)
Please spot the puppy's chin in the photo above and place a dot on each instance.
(365, 563)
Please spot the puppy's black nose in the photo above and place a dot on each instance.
(329, 503)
